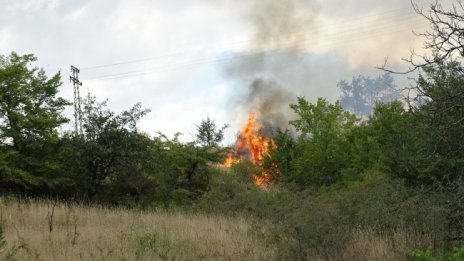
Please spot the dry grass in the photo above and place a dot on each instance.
(92, 233)
(41, 231)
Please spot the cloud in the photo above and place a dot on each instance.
(6, 40)
(21, 7)
(186, 111)
(79, 14)
(146, 24)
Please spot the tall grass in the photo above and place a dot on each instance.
(45, 231)
(372, 219)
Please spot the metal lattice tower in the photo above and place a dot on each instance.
(77, 100)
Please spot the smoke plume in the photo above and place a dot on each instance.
(271, 101)
(275, 69)
(276, 21)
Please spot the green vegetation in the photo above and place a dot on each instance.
(380, 185)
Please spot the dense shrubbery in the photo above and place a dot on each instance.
(324, 221)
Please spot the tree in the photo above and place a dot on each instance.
(207, 133)
(109, 141)
(30, 113)
(444, 39)
(423, 145)
(361, 95)
(442, 119)
(278, 164)
(399, 135)
(321, 120)
(436, 101)
(205, 150)
(319, 153)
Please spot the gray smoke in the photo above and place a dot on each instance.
(271, 101)
(277, 21)
(276, 70)
(292, 54)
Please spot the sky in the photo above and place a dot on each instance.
(191, 59)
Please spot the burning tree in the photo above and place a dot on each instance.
(253, 146)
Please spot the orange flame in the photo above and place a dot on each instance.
(252, 146)
(230, 160)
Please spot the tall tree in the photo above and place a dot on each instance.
(30, 113)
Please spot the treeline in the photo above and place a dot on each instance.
(111, 161)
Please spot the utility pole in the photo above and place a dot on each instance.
(77, 100)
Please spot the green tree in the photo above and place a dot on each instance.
(320, 152)
(400, 137)
(207, 133)
(30, 113)
(437, 103)
(183, 170)
(278, 164)
(109, 141)
(423, 145)
(442, 120)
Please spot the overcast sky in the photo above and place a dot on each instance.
(189, 59)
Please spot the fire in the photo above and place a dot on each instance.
(252, 146)
(262, 180)
(230, 160)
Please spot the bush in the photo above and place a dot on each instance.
(324, 222)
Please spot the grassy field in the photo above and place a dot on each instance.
(40, 231)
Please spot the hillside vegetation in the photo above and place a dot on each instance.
(369, 177)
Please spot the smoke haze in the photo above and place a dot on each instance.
(287, 55)
(275, 63)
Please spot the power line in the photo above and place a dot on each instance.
(313, 29)
(244, 55)
(333, 39)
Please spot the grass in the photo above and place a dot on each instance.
(45, 231)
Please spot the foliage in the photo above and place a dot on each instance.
(113, 162)
(322, 222)
(231, 192)
(109, 141)
(30, 114)
(208, 134)
(442, 119)
(279, 164)
(318, 155)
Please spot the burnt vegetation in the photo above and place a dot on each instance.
(371, 162)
